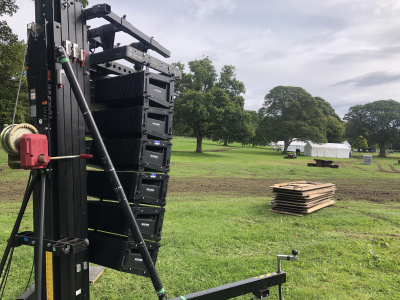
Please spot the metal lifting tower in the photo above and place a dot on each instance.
(90, 103)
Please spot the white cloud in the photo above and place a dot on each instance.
(313, 44)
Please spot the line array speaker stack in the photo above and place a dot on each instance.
(133, 110)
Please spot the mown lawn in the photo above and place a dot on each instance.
(218, 227)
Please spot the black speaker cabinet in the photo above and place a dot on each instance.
(109, 217)
(141, 88)
(118, 253)
(135, 154)
(135, 122)
(140, 188)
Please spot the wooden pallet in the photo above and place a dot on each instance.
(302, 197)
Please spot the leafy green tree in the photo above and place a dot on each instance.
(84, 3)
(262, 137)
(292, 113)
(194, 112)
(232, 119)
(335, 130)
(247, 135)
(11, 58)
(378, 121)
(335, 127)
(206, 105)
(228, 82)
(202, 76)
(360, 143)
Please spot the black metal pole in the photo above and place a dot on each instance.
(39, 260)
(111, 173)
(17, 223)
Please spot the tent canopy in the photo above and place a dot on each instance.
(327, 150)
(293, 145)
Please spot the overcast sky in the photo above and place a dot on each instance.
(345, 51)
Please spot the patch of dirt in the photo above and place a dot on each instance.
(215, 150)
(373, 190)
(393, 168)
(12, 191)
(381, 169)
(361, 169)
(370, 189)
(234, 186)
(219, 150)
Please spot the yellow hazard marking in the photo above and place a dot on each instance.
(49, 275)
(269, 274)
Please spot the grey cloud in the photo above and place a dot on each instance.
(372, 79)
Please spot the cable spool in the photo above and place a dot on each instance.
(11, 135)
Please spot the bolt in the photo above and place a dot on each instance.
(33, 243)
(48, 245)
(87, 73)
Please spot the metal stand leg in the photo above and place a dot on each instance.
(111, 173)
(285, 257)
(39, 261)
(17, 223)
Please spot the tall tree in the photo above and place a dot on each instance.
(202, 75)
(11, 57)
(232, 119)
(228, 82)
(247, 134)
(335, 127)
(194, 112)
(360, 143)
(261, 137)
(208, 105)
(378, 122)
(292, 113)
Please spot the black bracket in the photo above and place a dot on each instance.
(63, 246)
(120, 24)
(134, 55)
(257, 285)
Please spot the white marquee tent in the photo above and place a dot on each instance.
(293, 145)
(327, 150)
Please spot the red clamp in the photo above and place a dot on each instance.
(34, 152)
(33, 146)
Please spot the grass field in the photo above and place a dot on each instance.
(218, 227)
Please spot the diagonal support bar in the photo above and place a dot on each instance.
(17, 223)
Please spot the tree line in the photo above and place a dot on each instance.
(211, 105)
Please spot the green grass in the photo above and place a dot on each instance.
(218, 228)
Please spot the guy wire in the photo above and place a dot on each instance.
(19, 85)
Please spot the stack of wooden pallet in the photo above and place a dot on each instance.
(302, 197)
